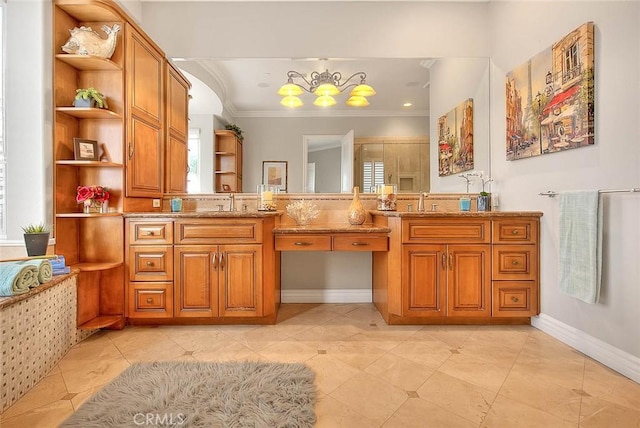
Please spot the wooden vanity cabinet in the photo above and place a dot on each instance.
(149, 256)
(224, 268)
(458, 269)
(450, 278)
(515, 267)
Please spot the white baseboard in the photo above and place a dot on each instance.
(354, 295)
(610, 356)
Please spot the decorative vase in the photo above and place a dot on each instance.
(484, 203)
(357, 213)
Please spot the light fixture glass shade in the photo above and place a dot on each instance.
(325, 101)
(291, 101)
(289, 89)
(357, 101)
(363, 90)
(327, 89)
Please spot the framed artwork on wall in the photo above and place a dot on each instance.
(85, 149)
(274, 173)
(550, 98)
(455, 139)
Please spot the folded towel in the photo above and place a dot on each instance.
(58, 262)
(581, 244)
(62, 271)
(45, 270)
(17, 278)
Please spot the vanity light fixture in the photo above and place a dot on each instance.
(325, 86)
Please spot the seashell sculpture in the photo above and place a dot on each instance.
(303, 212)
(85, 41)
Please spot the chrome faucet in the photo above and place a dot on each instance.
(232, 202)
(423, 195)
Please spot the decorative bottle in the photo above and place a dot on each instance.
(357, 213)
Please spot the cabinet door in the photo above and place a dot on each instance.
(240, 271)
(423, 280)
(144, 159)
(196, 280)
(177, 133)
(469, 281)
(145, 65)
(176, 164)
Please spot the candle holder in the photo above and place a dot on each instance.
(387, 198)
(266, 197)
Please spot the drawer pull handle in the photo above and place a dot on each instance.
(359, 244)
(149, 300)
(149, 263)
(451, 261)
(302, 244)
(515, 299)
(221, 261)
(150, 233)
(514, 262)
(215, 261)
(444, 261)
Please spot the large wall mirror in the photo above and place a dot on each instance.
(398, 147)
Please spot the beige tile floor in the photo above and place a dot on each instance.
(369, 374)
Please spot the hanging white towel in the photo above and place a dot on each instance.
(581, 244)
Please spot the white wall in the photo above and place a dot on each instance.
(518, 31)
(28, 112)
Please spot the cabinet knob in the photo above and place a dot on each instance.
(514, 262)
(149, 263)
(515, 231)
(149, 300)
(150, 233)
(515, 299)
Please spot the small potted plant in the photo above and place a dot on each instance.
(236, 130)
(90, 97)
(484, 200)
(36, 239)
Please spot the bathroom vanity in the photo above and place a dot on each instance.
(214, 267)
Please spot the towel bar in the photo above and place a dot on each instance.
(551, 193)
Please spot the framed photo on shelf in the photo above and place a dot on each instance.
(274, 173)
(85, 149)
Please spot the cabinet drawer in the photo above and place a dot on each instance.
(150, 300)
(150, 263)
(303, 243)
(443, 230)
(518, 262)
(205, 231)
(514, 299)
(360, 242)
(515, 231)
(151, 232)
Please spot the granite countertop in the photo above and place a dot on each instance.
(464, 214)
(330, 228)
(204, 214)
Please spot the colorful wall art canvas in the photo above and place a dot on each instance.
(455, 139)
(550, 98)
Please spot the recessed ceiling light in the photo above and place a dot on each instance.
(407, 105)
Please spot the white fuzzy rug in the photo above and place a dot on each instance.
(203, 394)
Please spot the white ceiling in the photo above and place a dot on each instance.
(247, 87)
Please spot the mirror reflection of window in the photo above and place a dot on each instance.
(372, 174)
(193, 161)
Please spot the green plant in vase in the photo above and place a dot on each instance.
(236, 130)
(89, 97)
(484, 200)
(36, 239)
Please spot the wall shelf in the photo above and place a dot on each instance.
(89, 163)
(95, 266)
(88, 63)
(89, 113)
(101, 322)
